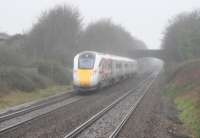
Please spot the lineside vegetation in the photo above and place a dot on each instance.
(43, 57)
(182, 41)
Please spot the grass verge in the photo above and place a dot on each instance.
(190, 111)
(187, 101)
(18, 97)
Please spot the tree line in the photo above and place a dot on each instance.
(182, 37)
(44, 55)
(59, 34)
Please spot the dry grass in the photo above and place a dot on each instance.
(18, 97)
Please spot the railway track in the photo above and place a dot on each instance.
(16, 119)
(96, 121)
(132, 109)
(37, 105)
(48, 106)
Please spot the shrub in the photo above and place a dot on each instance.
(40, 80)
(21, 79)
(10, 57)
(55, 71)
(16, 79)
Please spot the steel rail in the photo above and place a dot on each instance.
(128, 115)
(16, 125)
(31, 108)
(26, 111)
(95, 117)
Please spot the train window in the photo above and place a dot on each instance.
(86, 61)
(117, 66)
(120, 65)
(126, 65)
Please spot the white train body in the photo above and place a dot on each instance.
(93, 70)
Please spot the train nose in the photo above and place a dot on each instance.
(85, 77)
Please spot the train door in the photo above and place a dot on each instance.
(102, 69)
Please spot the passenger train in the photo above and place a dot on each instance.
(93, 70)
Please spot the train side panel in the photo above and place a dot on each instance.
(92, 69)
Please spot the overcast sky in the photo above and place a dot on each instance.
(145, 19)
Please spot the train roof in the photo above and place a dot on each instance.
(107, 55)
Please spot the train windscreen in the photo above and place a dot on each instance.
(86, 61)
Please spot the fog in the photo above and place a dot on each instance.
(144, 19)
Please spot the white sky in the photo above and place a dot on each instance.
(145, 19)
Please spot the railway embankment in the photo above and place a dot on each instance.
(183, 90)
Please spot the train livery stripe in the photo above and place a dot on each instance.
(85, 77)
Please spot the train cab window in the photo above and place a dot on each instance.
(126, 65)
(86, 61)
(117, 66)
(120, 65)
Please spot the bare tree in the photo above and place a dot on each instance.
(55, 35)
(105, 36)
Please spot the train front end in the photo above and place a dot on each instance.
(85, 75)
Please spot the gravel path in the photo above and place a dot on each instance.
(62, 121)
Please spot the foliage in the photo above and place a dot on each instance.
(184, 98)
(55, 71)
(181, 37)
(105, 36)
(17, 78)
(55, 35)
(184, 90)
(10, 57)
(190, 114)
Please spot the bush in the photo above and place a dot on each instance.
(40, 80)
(10, 57)
(16, 79)
(55, 71)
(181, 37)
(21, 79)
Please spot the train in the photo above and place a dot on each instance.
(93, 70)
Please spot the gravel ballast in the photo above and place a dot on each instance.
(36, 113)
(108, 122)
(151, 118)
(62, 121)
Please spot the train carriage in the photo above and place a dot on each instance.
(93, 70)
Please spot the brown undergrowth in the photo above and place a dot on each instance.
(184, 89)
